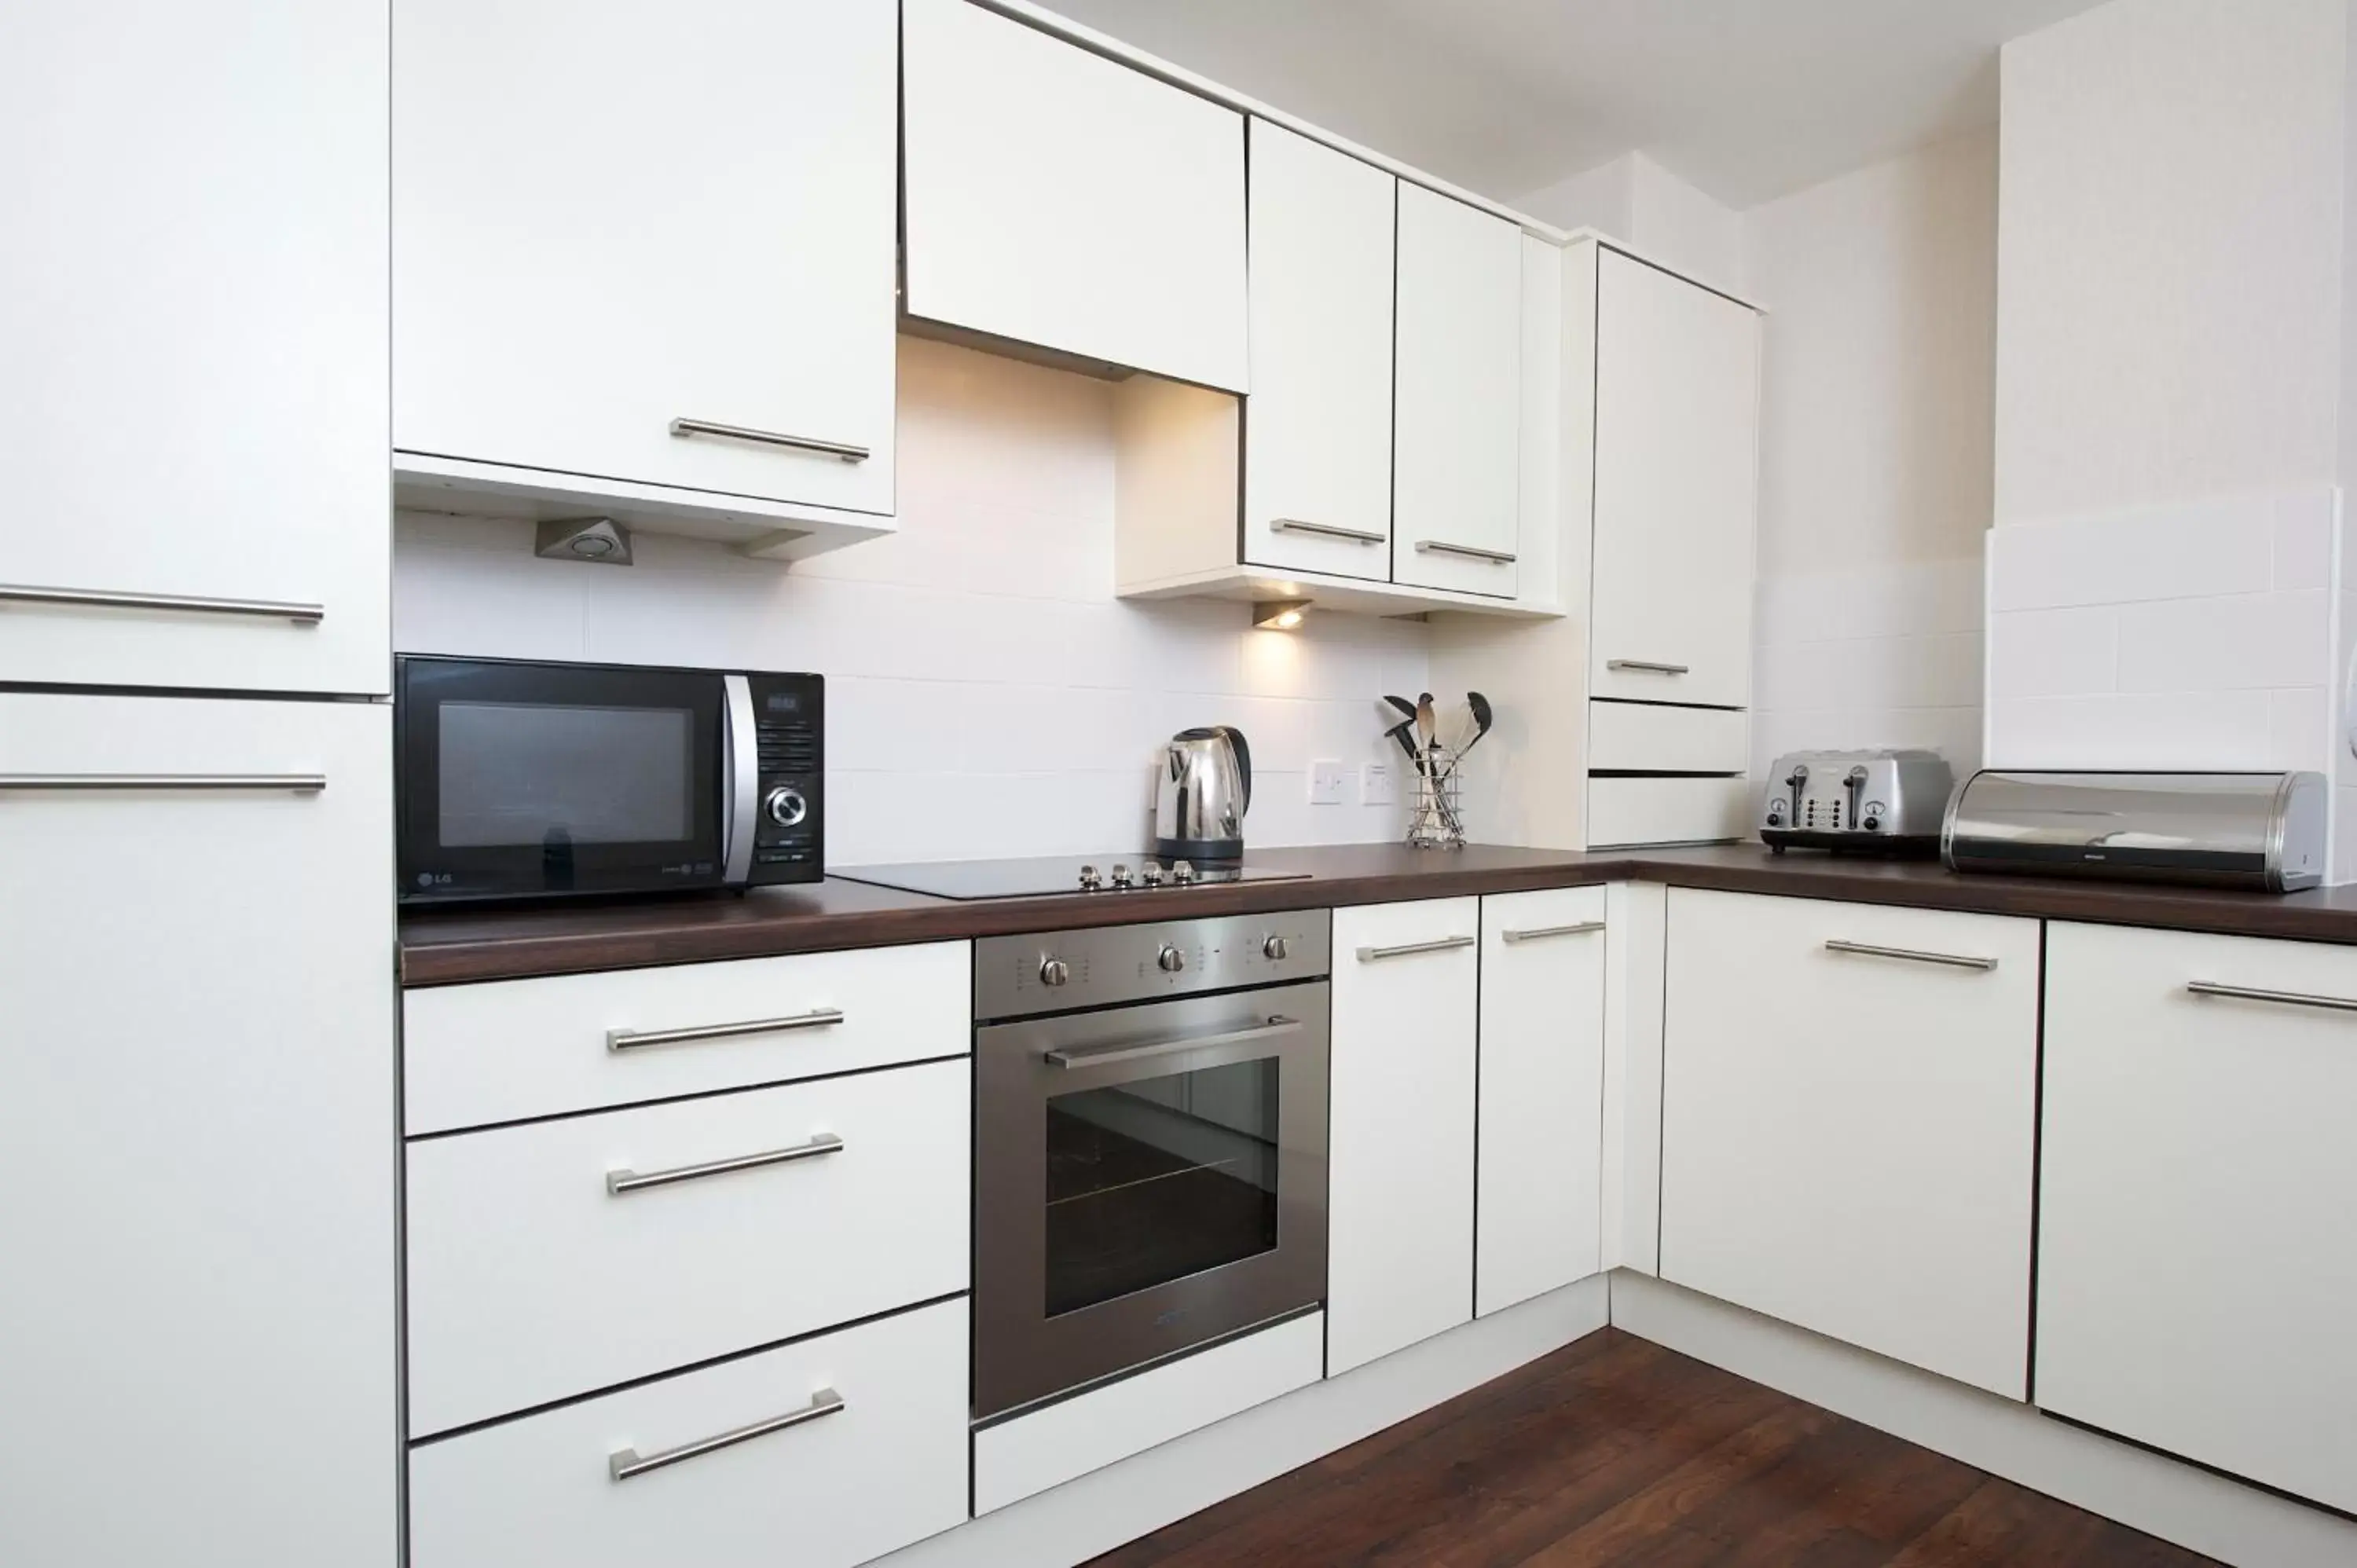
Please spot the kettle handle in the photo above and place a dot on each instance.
(1244, 759)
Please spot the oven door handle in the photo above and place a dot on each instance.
(1277, 1026)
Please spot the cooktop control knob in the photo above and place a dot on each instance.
(785, 806)
(1182, 872)
(1090, 880)
(1170, 959)
(1054, 971)
(1274, 949)
(1120, 874)
(1150, 874)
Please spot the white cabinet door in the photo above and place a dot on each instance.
(1457, 438)
(1678, 420)
(198, 1133)
(608, 218)
(2196, 1260)
(1056, 198)
(1848, 1136)
(1400, 1227)
(193, 305)
(1317, 426)
(1541, 1093)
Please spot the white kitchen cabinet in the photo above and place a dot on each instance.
(197, 1130)
(1060, 199)
(1676, 464)
(1456, 439)
(1317, 429)
(1849, 1108)
(193, 297)
(2196, 1262)
(1624, 812)
(1400, 1227)
(609, 219)
(1540, 1168)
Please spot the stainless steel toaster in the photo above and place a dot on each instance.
(1883, 800)
(2259, 831)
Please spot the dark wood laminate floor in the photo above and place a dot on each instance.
(1614, 1451)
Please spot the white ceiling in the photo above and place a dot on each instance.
(1747, 99)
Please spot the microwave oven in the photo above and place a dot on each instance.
(518, 781)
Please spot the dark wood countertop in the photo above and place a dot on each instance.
(450, 946)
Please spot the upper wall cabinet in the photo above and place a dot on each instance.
(1057, 199)
(192, 297)
(649, 256)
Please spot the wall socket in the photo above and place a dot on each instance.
(1376, 785)
(1326, 781)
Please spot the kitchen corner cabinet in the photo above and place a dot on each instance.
(193, 301)
(2196, 1260)
(1060, 199)
(1540, 1131)
(647, 256)
(1400, 1225)
(1849, 1109)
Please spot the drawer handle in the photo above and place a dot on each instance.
(842, 449)
(2288, 998)
(1648, 667)
(1369, 955)
(1326, 529)
(301, 783)
(623, 1182)
(625, 1463)
(1535, 932)
(640, 1039)
(1953, 960)
(1442, 547)
(103, 598)
(1096, 1055)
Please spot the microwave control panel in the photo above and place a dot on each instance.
(790, 727)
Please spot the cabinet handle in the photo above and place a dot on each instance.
(1953, 960)
(625, 1463)
(640, 1039)
(1369, 955)
(1535, 932)
(842, 449)
(1442, 546)
(1095, 1056)
(1330, 530)
(1647, 666)
(2288, 998)
(301, 783)
(623, 1181)
(268, 609)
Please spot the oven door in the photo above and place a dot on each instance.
(1149, 1179)
(529, 780)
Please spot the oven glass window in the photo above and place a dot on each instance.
(1154, 1180)
(528, 773)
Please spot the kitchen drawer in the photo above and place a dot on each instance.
(885, 1467)
(531, 1279)
(1667, 740)
(515, 1048)
(1667, 811)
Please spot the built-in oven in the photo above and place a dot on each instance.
(1150, 1146)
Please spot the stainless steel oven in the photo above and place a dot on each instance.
(1150, 1150)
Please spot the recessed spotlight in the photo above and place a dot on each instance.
(1280, 615)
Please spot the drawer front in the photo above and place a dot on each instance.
(1667, 740)
(532, 1278)
(2195, 1258)
(515, 1048)
(1667, 811)
(886, 1467)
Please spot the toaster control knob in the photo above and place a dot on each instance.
(1274, 950)
(1054, 971)
(1120, 874)
(785, 806)
(1872, 822)
(1170, 959)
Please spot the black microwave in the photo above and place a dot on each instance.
(536, 780)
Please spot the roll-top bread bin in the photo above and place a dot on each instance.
(2264, 832)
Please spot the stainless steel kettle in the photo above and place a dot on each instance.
(1200, 794)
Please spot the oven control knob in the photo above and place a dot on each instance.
(1170, 959)
(785, 806)
(1150, 874)
(1120, 874)
(1090, 880)
(1054, 971)
(1274, 949)
(1182, 872)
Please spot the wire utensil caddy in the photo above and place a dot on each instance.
(1439, 819)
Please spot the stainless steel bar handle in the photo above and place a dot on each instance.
(1368, 955)
(1330, 530)
(1951, 960)
(1535, 932)
(104, 598)
(625, 1463)
(301, 783)
(842, 449)
(2288, 998)
(623, 1181)
(1097, 1056)
(640, 1039)
(1647, 666)
(1442, 546)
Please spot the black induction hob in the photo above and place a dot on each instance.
(1115, 875)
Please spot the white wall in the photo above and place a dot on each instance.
(1637, 201)
(987, 694)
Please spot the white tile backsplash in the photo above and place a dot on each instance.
(2223, 644)
(2053, 653)
(2194, 551)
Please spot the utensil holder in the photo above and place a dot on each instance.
(1438, 819)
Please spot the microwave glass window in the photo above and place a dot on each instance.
(522, 773)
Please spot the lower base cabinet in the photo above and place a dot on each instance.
(822, 1454)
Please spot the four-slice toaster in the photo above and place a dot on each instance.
(1890, 801)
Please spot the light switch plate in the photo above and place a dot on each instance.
(1326, 781)
(1376, 787)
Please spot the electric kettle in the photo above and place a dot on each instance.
(1201, 790)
